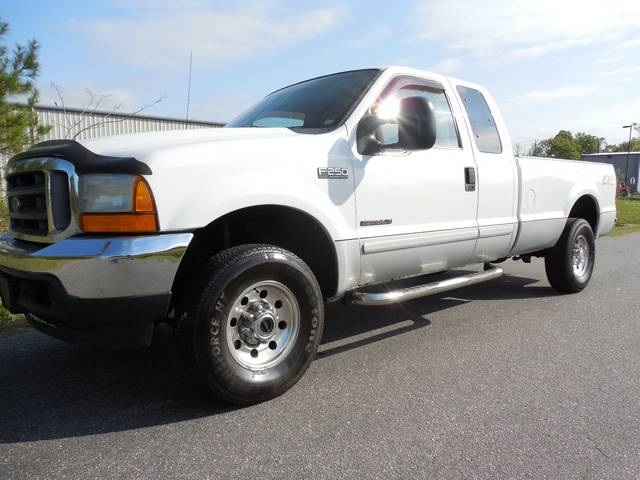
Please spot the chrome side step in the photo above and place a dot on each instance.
(402, 295)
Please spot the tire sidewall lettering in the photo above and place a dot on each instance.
(216, 363)
(312, 335)
(214, 338)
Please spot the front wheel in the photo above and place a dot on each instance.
(569, 264)
(254, 323)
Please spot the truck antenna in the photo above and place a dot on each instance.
(189, 85)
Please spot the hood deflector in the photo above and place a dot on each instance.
(83, 159)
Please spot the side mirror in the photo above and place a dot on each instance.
(367, 142)
(415, 126)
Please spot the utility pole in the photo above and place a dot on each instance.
(189, 86)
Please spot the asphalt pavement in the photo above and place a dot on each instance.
(506, 379)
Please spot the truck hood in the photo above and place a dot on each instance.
(139, 145)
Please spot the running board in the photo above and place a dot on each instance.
(402, 295)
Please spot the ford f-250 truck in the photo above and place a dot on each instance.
(237, 236)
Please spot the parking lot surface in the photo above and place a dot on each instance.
(506, 379)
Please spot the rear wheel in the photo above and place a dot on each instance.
(569, 264)
(254, 323)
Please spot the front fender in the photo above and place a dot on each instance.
(196, 183)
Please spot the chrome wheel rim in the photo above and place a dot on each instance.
(580, 257)
(262, 325)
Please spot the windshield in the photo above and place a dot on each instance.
(323, 103)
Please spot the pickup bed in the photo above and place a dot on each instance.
(237, 236)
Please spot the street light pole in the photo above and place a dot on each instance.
(626, 173)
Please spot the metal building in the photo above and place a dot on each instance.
(75, 123)
(627, 166)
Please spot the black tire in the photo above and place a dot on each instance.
(559, 260)
(202, 333)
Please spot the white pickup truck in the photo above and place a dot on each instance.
(237, 236)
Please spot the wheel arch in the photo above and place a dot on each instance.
(586, 207)
(284, 226)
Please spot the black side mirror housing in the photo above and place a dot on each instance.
(416, 124)
(416, 128)
(367, 142)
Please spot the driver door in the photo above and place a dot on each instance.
(416, 211)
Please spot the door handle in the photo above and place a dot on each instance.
(469, 179)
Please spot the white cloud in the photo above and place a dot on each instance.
(559, 93)
(372, 37)
(541, 114)
(446, 66)
(159, 34)
(629, 44)
(609, 120)
(619, 72)
(507, 29)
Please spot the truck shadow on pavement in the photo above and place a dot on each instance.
(53, 390)
(349, 327)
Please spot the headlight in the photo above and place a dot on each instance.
(111, 203)
(106, 193)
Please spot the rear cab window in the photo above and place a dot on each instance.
(483, 126)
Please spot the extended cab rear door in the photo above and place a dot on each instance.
(497, 174)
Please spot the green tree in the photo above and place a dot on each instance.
(589, 143)
(624, 146)
(567, 145)
(563, 145)
(540, 148)
(18, 70)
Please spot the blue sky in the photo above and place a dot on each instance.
(551, 64)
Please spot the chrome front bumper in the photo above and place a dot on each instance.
(102, 267)
(94, 290)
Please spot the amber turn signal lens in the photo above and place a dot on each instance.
(118, 223)
(142, 220)
(142, 198)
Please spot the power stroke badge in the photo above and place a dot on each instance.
(333, 173)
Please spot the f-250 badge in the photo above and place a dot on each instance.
(333, 173)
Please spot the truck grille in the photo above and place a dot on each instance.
(38, 202)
